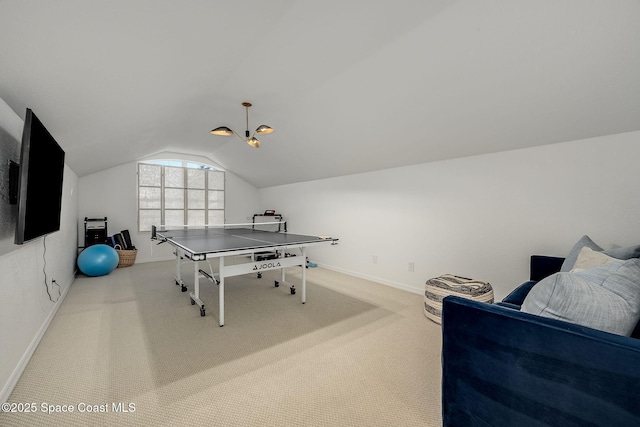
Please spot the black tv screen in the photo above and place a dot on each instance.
(40, 184)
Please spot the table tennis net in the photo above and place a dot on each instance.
(267, 226)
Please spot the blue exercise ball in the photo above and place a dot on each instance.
(98, 260)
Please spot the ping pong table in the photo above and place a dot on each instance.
(233, 241)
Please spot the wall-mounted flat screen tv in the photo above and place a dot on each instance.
(40, 182)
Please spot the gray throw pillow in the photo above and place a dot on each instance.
(585, 241)
(605, 297)
(624, 253)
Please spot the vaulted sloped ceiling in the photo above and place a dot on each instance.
(349, 86)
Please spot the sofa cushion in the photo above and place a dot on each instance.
(585, 241)
(606, 297)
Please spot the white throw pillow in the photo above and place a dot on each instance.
(588, 258)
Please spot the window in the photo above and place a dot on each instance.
(174, 193)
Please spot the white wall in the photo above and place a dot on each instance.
(25, 307)
(479, 217)
(113, 193)
(10, 137)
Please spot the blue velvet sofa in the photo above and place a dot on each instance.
(505, 367)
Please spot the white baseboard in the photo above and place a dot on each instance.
(24, 360)
(397, 285)
(167, 258)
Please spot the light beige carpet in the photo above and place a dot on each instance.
(356, 354)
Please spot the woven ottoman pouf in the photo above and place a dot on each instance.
(439, 287)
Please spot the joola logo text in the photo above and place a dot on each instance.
(266, 265)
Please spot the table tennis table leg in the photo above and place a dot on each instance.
(195, 295)
(221, 290)
(178, 269)
(196, 281)
(304, 274)
(283, 278)
(179, 281)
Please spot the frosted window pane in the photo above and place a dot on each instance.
(148, 218)
(149, 197)
(170, 193)
(216, 180)
(195, 178)
(174, 177)
(174, 217)
(149, 175)
(195, 217)
(173, 198)
(216, 199)
(216, 217)
(195, 199)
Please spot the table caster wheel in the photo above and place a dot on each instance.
(202, 312)
(276, 283)
(259, 275)
(184, 288)
(293, 290)
(192, 301)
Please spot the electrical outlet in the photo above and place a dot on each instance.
(374, 259)
(412, 266)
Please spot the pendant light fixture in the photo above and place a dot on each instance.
(248, 138)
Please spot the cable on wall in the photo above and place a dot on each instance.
(44, 270)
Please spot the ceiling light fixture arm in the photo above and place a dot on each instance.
(246, 108)
(239, 136)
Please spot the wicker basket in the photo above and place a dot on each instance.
(127, 257)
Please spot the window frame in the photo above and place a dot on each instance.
(186, 188)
